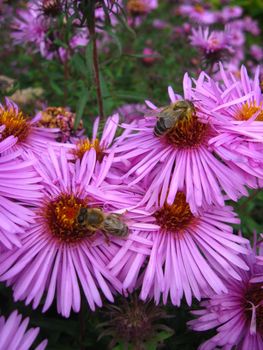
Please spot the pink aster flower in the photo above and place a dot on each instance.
(197, 13)
(15, 336)
(181, 159)
(29, 26)
(256, 52)
(213, 45)
(29, 135)
(236, 315)
(191, 255)
(37, 25)
(251, 26)
(138, 9)
(236, 36)
(235, 106)
(229, 12)
(59, 255)
(19, 189)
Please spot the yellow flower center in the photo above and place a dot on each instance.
(85, 145)
(248, 110)
(60, 216)
(175, 217)
(16, 124)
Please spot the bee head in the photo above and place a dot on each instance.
(82, 216)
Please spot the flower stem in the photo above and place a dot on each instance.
(92, 31)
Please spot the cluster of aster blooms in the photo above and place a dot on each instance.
(167, 185)
(227, 44)
(41, 25)
(53, 27)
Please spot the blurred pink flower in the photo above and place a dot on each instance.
(150, 56)
(229, 12)
(29, 26)
(160, 24)
(251, 26)
(131, 111)
(138, 9)
(59, 256)
(197, 13)
(256, 52)
(13, 334)
(236, 36)
(211, 43)
(32, 26)
(237, 314)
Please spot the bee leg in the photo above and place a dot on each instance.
(107, 237)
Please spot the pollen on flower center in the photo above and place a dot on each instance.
(16, 124)
(175, 217)
(84, 145)
(248, 110)
(188, 132)
(61, 218)
(254, 297)
(136, 7)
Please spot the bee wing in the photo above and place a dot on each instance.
(170, 117)
(153, 112)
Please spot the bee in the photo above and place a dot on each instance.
(168, 116)
(94, 219)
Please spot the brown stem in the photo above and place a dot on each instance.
(96, 67)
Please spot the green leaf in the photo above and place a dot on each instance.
(116, 40)
(89, 60)
(79, 64)
(56, 88)
(81, 106)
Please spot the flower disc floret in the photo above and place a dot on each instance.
(175, 217)
(248, 110)
(61, 218)
(16, 124)
(188, 133)
(85, 145)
